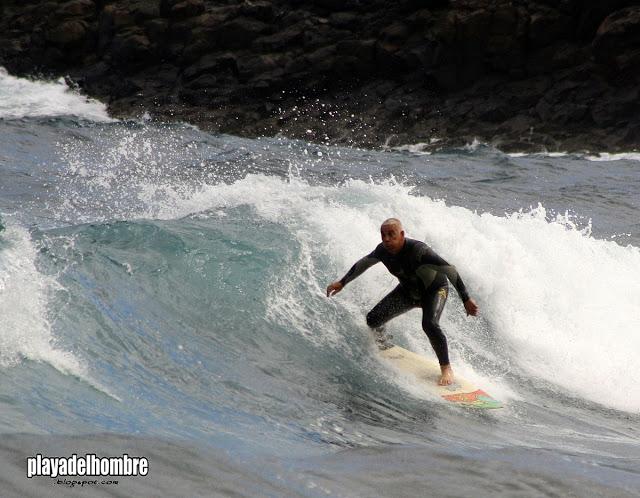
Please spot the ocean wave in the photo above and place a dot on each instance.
(26, 98)
(25, 329)
(529, 269)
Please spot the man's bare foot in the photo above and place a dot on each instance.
(446, 377)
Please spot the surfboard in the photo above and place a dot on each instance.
(461, 392)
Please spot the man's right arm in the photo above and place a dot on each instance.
(359, 268)
(356, 270)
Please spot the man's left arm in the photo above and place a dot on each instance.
(433, 261)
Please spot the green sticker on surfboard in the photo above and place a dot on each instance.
(461, 393)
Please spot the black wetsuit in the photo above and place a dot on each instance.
(423, 283)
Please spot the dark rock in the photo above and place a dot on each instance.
(131, 47)
(268, 82)
(239, 32)
(200, 45)
(389, 57)
(167, 74)
(332, 5)
(445, 77)
(552, 58)
(493, 110)
(118, 17)
(204, 81)
(504, 20)
(361, 49)
(473, 42)
(569, 55)
(617, 37)
(471, 29)
(144, 10)
(105, 29)
(344, 20)
(261, 10)
(51, 55)
(182, 31)
(548, 26)
(278, 41)
(156, 30)
(165, 6)
(559, 105)
(631, 136)
(112, 19)
(349, 67)
(526, 93)
(296, 66)
(214, 17)
(414, 68)
(80, 8)
(319, 61)
(591, 14)
(425, 4)
(68, 33)
(186, 9)
(22, 22)
(95, 72)
(395, 33)
(384, 87)
(293, 17)
(317, 36)
(123, 87)
(629, 61)
(173, 52)
(617, 106)
(251, 66)
(420, 19)
(212, 63)
(206, 97)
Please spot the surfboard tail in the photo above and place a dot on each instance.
(477, 399)
(426, 371)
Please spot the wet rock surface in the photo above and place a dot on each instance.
(523, 75)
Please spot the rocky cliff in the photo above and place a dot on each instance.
(521, 74)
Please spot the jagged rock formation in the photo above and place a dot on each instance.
(521, 74)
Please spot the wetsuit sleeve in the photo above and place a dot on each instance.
(431, 264)
(360, 267)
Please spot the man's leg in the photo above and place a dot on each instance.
(432, 306)
(393, 304)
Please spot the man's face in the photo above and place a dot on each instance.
(392, 238)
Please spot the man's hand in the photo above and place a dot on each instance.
(334, 288)
(471, 307)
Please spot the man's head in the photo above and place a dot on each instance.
(392, 235)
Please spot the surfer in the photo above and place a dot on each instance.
(423, 283)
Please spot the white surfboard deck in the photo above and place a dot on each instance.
(461, 392)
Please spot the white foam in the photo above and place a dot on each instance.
(539, 154)
(564, 302)
(473, 146)
(25, 331)
(420, 148)
(24, 98)
(605, 156)
(601, 156)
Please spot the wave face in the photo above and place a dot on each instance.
(166, 283)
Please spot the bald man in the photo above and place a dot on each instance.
(423, 283)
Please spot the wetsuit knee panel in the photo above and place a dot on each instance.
(432, 328)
